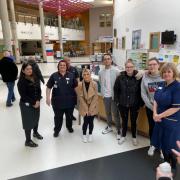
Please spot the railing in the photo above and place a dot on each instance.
(74, 23)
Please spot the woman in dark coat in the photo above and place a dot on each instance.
(30, 95)
(127, 94)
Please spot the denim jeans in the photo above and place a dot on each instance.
(11, 96)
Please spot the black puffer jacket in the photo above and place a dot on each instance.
(8, 70)
(127, 90)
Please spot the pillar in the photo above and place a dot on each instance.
(14, 30)
(60, 34)
(5, 25)
(43, 43)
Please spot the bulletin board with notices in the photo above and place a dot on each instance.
(139, 57)
(169, 57)
(168, 54)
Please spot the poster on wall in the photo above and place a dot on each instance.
(175, 58)
(136, 39)
(139, 57)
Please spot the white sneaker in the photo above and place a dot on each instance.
(151, 151)
(134, 142)
(84, 138)
(122, 140)
(90, 139)
(118, 136)
(107, 130)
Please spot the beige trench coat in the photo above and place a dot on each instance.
(88, 101)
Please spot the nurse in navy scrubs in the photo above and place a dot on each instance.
(167, 113)
(63, 97)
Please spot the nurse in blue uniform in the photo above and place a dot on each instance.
(167, 113)
(63, 97)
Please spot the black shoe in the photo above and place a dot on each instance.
(71, 130)
(73, 118)
(31, 144)
(56, 134)
(38, 136)
(9, 105)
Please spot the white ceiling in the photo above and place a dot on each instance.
(102, 3)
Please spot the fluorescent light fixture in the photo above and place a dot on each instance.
(88, 0)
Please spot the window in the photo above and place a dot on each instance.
(105, 20)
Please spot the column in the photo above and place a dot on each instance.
(43, 43)
(5, 25)
(14, 30)
(60, 34)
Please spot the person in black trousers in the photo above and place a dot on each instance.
(63, 97)
(88, 106)
(127, 95)
(9, 72)
(74, 71)
(30, 95)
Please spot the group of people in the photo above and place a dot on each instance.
(127, 91)
(123, 94)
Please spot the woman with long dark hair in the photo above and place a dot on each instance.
(30, 95)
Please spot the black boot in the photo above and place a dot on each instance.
(31, 144)
(71, 130)
(37, 135)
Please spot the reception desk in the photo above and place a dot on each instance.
(142, 122)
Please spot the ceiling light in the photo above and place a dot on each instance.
(88, 0)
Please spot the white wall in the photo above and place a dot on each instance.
(147, 15)
(95, 29)
(33, 32)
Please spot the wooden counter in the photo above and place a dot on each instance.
(142, 122)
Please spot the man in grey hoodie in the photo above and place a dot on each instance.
(150, 82)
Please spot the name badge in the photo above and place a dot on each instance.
(67, 80)
(55, 84)
(27, 104)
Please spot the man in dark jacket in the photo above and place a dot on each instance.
(74, 71)
(9, 72)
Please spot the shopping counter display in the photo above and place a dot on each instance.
(142, 122)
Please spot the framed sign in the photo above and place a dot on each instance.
(136, 39)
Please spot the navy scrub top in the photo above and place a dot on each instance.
(63, 93)
(169, 97)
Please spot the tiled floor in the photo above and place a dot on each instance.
(17, 160)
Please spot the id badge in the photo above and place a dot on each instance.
(55, 84)
(67, 80)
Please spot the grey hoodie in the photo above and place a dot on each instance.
(149, 85)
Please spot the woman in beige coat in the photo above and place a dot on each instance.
(88, 107)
